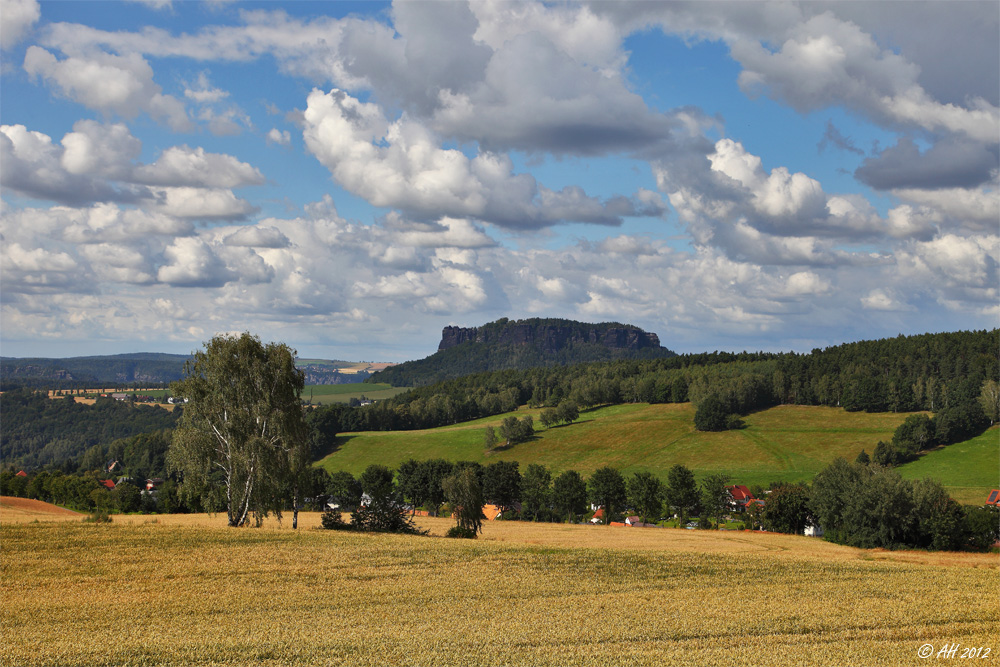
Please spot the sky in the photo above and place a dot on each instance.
(349, 178)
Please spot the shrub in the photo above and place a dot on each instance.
(711, 414)
(734, 423)
(461, 532)
(982, 527)
(99, 515)
(333, 520)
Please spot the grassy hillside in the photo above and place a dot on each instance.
(343, 393)
(197, 593)
(790, 443)
(969, 469)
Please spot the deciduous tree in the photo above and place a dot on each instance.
(466, 497)
(682, 492)
(243, 420)
(502, 484)
(607, 489)
(645, 494)
(569, 495)
(714, 496)
(536, 492)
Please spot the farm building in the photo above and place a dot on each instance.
(740, 496)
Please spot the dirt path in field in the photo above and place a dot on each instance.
(22, 510)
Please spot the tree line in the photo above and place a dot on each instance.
(929, 372)
(859, 504)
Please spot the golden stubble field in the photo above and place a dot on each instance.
(187, 590)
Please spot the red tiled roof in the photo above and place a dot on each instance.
(994, 497)
(21, 473)
(108, 483)
(740, 493)
(599, 514)
(617, 523)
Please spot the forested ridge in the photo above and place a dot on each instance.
(83, 372)
(39, 431)
(902, 374)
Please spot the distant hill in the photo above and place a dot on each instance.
(520, 344)
(149, 368)
(141, 367)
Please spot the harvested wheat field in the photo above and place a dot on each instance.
(186, 590)
(20, 510)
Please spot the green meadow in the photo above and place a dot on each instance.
(324, 394)
(968, 469)
(789, 443)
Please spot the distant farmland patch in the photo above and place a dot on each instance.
(345, 367)
(22, 510)
(343, 393)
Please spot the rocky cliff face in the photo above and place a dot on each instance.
(551, 337)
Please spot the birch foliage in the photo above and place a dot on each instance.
(242, 428)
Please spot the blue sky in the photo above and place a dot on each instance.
(351, 177)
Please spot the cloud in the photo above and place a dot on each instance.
(181, 166)
(111, 84)
(32, 165)
(255, 236)
(833, 137)
(202, 204)
(973, 209)
(955, 261)
(949, 163)
(400, 165)
(881, 299)
(280, 137)
(536, 98)
(16, 19)
(37, 270)
(100, 150)
(507, 76)
(203, 92)
(729, 201)
(825, 61)
(96, 163)
(118, 263)
(192, 263)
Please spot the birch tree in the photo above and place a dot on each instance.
(242, 427)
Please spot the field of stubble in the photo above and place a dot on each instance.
(187, 590)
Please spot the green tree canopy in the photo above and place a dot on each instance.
(682, 492)
(466, 497)
(569, 494)
(714, 496)
(786, 509)
(502, 484)
(243, 421)
(645, 494)
(606, 488)
(536, 492)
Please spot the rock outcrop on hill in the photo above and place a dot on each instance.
(551, 336)
(518, 344)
